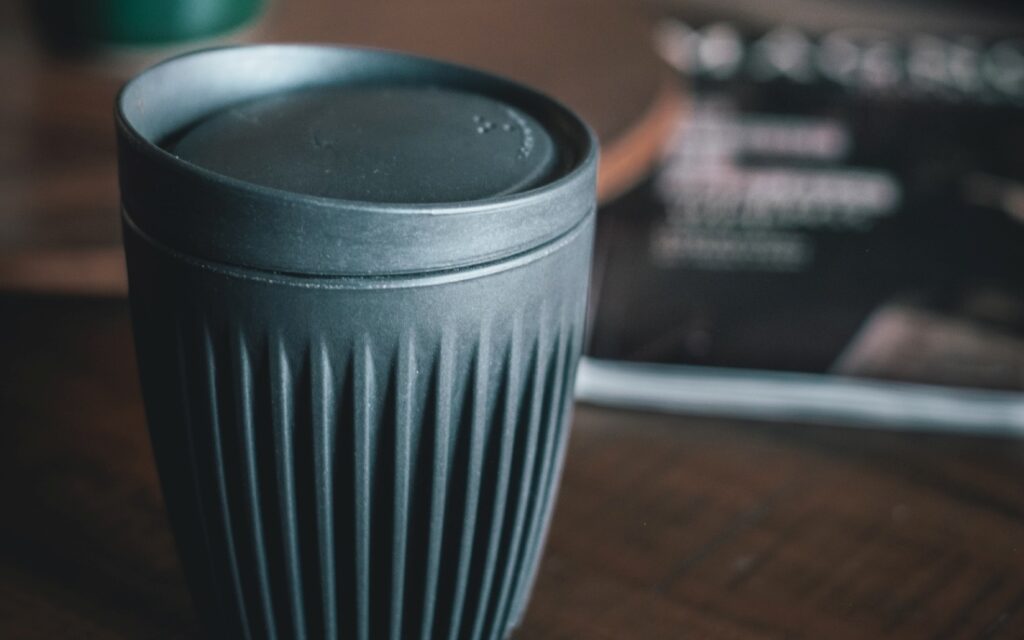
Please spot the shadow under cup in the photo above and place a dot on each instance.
(358, 406)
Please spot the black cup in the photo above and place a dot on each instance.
(358, 387)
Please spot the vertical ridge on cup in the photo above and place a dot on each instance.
(464, 426)
(355, 447)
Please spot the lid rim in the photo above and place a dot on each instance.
(205, 213)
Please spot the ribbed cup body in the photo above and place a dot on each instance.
(360, 457)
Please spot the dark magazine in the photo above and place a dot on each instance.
(842, 208)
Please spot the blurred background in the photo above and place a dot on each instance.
(802, 397)
(66, 60)
(814, 188)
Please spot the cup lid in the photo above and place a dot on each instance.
(341, 161)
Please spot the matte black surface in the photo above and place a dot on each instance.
(356, 456)
(389, 144)
(218, 217)
(373, 463)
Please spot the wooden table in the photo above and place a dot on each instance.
(667, 527)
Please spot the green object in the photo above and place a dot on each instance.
(77, 24)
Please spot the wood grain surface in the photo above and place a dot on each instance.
(59, 222)
(666, 527)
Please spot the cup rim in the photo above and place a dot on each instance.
(204, 213)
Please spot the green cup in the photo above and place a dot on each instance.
(77, 24)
